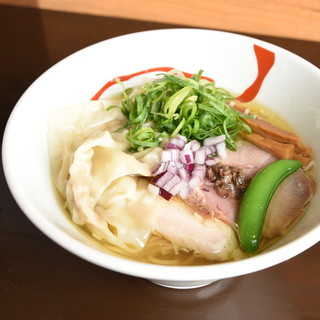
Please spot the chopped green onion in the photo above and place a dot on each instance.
(193, 107)
(178, 128)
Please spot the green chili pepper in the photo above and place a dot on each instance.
(256, 201)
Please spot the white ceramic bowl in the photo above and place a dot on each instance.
(291, 87)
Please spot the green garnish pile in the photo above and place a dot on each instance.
(174, 104)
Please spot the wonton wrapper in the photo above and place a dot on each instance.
(96, 178)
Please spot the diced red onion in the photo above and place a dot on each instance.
(200, 156)
(174, 141)
(193, 145)
(177, 143)
(171, 145)
(214, 140)
(212, 161)
(186, 156)
(210, 150)
(221, 150)
(171, 183)
(178, 187)
(166, 155)
(178, 164)
(170, 155)
(183, 138)
(162, 167)
(166, 176)
(183, 165)
(173, 168)
(189, 166)
(165, 194)
(180, 142)
(200, 166)
(199, 171)
(183, 174)
(156, 178)
(189, 158)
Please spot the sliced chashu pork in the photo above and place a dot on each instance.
(249, 158)
(211, 205)
(184, 227)
(288, 201)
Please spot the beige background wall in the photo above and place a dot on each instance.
(299, 19)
